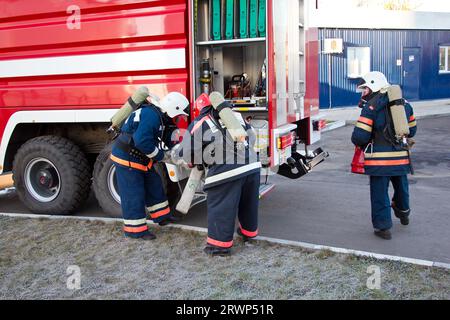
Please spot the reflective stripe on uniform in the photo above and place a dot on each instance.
(387, 154)
(249, 233)
(384, 163)
(130, 164)
(212, 126)
(137, 115)
(233, 173)
(199, 124)
(220, 243)
(160, 214)
(364, 127)
(154, 153)
(366, 121)
(137, 222)
(158, 206)
(135, 229)
(413, 124)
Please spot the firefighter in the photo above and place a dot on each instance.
(385, 161)
(141, 144)
(232, 176)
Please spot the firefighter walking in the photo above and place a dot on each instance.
(385, 160)
(135, 152)
(232, 178)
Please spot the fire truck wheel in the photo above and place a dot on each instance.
(105, 184)
(51, 175)
(107, 191)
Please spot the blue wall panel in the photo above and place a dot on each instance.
(386, 48)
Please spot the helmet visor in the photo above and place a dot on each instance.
(361, 86)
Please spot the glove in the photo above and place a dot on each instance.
(167, 157)
(176, 159)
(411, 142)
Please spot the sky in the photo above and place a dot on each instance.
(422, 5)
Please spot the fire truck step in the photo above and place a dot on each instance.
(6, 181)
(265, 189)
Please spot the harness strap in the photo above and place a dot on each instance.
(129, 148)
(131, 164)
(133, 104)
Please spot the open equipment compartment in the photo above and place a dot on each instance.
(254, 52)
(231, 58)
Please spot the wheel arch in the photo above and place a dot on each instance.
(25, 125)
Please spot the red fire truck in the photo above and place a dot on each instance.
(67, 66)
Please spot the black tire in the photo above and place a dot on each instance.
(101, 185)
(105, 187)
(68, 168)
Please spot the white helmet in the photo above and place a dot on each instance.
(174, 104)
(375, 81)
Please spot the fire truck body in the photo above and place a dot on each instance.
(65, 69)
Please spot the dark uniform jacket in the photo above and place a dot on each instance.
(143, 130)
(208, 143)
(382, 158)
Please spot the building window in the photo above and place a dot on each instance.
(358, 61)
(444, 59)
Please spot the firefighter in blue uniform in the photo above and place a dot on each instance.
(140, 145)
(385, 162)
(232, 179)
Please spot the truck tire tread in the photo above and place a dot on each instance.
(77, 187)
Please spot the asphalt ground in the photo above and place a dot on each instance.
(331, 206)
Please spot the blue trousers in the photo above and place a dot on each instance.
(226, 201)
(381, 204)
(141, 190)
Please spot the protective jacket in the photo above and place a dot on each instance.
(382, 158)
(142, 138)
(134, 152)
(208, 143)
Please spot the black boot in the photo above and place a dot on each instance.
(146, 237)
(383, 234)
(244, 238)
(216, 251)
(402, 215)
(168, 221)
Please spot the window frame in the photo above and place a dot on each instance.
(447, 59)
(362, 47)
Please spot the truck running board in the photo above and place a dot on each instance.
(199, 198)
(264, 190)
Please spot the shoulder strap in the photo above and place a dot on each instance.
(388, 130)
(374, 99)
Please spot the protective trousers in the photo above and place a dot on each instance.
(140, 190)
(226, 201)
(381, 204)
